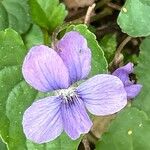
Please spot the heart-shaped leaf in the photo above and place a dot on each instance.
(143, 100)
(129, 131)
(134, 18)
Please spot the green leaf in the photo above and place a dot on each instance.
(12, 52)
(129, 131)
(9, 77)
(33, 37)
(109, 44)
(22, 96)
(99, 63)
(14, 14)
(12, 49)
(143, 71)
(47, 14)
(134, 18)
(3, 17)
(16, 96)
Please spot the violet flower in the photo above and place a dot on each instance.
(47, 70)
(123, 73)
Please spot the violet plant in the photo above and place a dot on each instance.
(74, 75)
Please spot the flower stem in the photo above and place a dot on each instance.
(118, 56)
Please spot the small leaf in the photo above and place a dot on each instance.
(143, 71)
(109, 44)
(129, 131)
(14, 14)
(134, 18)
(99, 63)
(47, 14)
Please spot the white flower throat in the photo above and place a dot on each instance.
(67, 94)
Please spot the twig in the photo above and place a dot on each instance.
(86, 143)
(118, 55)
(114, 6)
(89, 13)
(123, 43)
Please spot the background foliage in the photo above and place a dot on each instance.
(115, 27)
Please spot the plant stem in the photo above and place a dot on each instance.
(118, 55)
(123, 43)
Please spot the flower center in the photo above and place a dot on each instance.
(67, 94)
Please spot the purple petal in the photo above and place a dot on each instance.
(133, 90)
(42, 121)
(103, 94)
(75, 118)
(76, 55)
(123, 73)
(44, 69)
